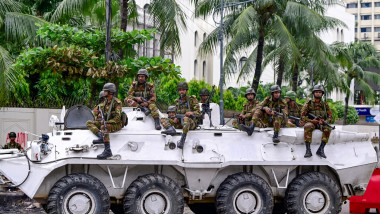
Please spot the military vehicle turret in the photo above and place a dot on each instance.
(218, 166)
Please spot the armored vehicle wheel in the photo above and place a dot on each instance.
(313, 192)
(78, 194)
(244, 193)
(203, 208)
(153, 193)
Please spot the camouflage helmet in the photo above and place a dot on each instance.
(143, 72)
(291, 95)
(109, 87)
(318, 88)
(101, 94)
(204, 92)
(171, 109)
(250, 91)
(182, 85)
(12, 134)
(275, 88)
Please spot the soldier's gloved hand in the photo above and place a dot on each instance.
(188, 114)
(242, 116)
(321, 121)
(138, 99)
(314, 121)
(268, 110)
(301, 123)
(145, 104)
(175, 120)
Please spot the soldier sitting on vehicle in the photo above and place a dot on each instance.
(294, 109)
(204, 94)
(12, 144)
(273, 112)
(142, 94)
(323, 114)
(248, 109)
(174, 122)
(187, 108)
(107, 119)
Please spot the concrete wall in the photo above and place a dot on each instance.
(24, 120)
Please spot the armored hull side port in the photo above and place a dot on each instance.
(220, 169)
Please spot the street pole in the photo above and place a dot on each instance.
(221, 81)
(108, 30)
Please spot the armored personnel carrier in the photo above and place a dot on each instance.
(220, 169)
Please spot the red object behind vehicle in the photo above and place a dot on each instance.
(371, 197)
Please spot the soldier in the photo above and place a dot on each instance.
(187, 105)
(204, 94)
(101, 97)
(294, 108)
(12, 144)
(265, 112)
(142, 93)
(174, 122)
(322, 110)
(111, 108)
(248, 109)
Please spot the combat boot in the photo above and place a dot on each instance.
(145, 110)
(169, 131)
(248, 129)
(275, 138)
(320, 152)
(308, 153)
(157, 123)
(106, 153)
(99, 140)
(181, 142)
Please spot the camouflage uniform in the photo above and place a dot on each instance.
(12, 145)
(294, 111)
(318, 109)
(248, 110)
(186, 104)
(113, 120)
(262, 119)
(146, 91)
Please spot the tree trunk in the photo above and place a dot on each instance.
(123, 20)
(281, 68)
(295, 78)
(259, 59)
(345, 108)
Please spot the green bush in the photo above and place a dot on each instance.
(239, 103)
(352, 114)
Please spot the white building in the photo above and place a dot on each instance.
(208, 68)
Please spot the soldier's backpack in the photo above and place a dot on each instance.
(124, 119)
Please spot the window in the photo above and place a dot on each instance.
(377, 29)
(365, 5)
(196, 38)
(337, 35)
(195, 67)
(356, 16)
(204, 69)
(204, 36)
(365, 17)
(341, 36)
(356, 30)
(365, 29)
(242, 62)
(352, 5)
(377, 4)
(377, 16)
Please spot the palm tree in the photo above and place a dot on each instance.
(354, 59)
(292, 25)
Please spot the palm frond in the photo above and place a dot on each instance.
(67, 8)
(9, 6)
(19, 26)
(367, 90)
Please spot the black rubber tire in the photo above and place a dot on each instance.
(83, 184)
(322, 183)
(160, 184)
(203, 208)
(117, 208)
(233, 184)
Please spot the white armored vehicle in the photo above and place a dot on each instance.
(220, 169)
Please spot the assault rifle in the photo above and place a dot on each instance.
(103, 120)
(312, 116)
(181, 116)
(206, 107)
(235, 116)
(297, 119)
(143, 108)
